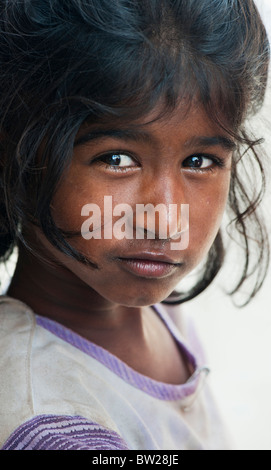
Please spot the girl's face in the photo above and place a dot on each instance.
(181, 159)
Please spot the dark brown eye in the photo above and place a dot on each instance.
(198, 161)
(117, 160)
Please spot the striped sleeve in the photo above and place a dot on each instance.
(50, 432)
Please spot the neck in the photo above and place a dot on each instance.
(134, 334)
(55, 292)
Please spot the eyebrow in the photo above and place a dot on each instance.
(138, 135)
(218, 140)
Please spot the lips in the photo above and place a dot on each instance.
(149, 265)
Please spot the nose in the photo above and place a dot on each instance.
(164, 214)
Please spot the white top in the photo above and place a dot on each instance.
(48, 371)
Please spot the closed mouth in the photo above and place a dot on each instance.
(151, 257)
(149, 266)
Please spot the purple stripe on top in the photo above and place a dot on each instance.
(153, 387)
(50, 432)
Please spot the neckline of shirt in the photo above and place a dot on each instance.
(169, 392)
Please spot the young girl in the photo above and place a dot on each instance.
(134, 103)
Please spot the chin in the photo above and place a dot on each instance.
(142, 299)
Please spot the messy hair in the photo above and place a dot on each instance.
(66, 63)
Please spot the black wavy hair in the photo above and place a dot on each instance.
(64, 63)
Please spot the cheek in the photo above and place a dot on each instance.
(205, 219)
(78, 190)
(67, 213)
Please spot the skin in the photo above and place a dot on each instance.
(110, 305)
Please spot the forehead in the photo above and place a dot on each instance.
(190, 123)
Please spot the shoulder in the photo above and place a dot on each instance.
(53, 432)
(43, 376)
(16, 329)
(15, 318)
